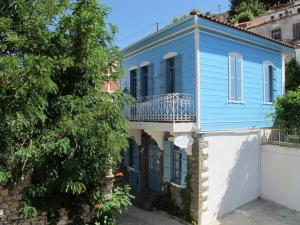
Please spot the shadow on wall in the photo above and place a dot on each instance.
(233, 165)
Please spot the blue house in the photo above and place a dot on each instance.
(203, 91)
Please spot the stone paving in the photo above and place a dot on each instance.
(259, 212)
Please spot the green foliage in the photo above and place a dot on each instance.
(27, 211)
(287, 110)
(186, 196)
(107, 210)
(248, 10)
(4, 177)
(57, 127)
(292, 75)
(182, 17)
(235, 4)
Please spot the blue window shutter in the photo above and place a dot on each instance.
(162, 77)
(184, 167)
(232, 91)
(151, 79)
(274, 85)
(167, 161)
(138, 83)
(136, 156)
(238, 71)
(126, 157)
(178, 73)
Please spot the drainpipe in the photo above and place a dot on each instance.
(197, 69)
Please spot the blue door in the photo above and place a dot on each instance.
(134, 165)
(153, 168)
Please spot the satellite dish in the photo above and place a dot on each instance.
(183, 141)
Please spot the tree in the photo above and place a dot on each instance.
(248, 10)
(235, 4)
(287, 110)
(292, 75)
(57, 127)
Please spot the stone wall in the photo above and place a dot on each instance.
(11, 199)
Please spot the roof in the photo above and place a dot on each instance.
(241, 29)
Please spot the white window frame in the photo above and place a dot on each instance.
(239, 56)
(267, 63)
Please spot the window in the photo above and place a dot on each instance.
(177, 165)
(235, 77)
(298, 10)
(144, 79)
(272, 17)
(280, 15)
(170, 82)
(296, 31)
(133, 83)
(276, 33)
(269, 82)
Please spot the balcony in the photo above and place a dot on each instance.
(173, 108)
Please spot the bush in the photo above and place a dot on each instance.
(287, 110)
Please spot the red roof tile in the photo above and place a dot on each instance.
(240, 28)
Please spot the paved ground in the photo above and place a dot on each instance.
(261, 213)
(136, 216)
(256, 213)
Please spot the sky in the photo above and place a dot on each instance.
(136, 19)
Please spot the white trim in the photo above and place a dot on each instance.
(238, 56)
(170, 55)
(282, 74)
(132, 68)
(154, 44)
(197, 69)
(145, 63)
(263, 47)
(169, 27)
(255, 43)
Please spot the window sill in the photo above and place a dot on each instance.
(268, 103)
(131, 169)
(235, 102)
(177, 185)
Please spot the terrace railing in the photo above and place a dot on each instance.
(173, 107)
(281, 137)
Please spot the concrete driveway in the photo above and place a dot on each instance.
(259, 212)
(136, 216)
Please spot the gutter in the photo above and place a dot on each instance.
(197, 70)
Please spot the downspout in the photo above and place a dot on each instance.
(283, 73)
(197, 70)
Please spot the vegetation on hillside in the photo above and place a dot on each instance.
(57, 128)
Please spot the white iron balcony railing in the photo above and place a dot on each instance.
(173, 107)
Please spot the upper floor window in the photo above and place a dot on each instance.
(272, 17)
(170, 84)
(144, 81)
(235, 77)
(296, 31)
(298, 10)
(133, 83)
(276, 33)
(269, 82)
(280, 15)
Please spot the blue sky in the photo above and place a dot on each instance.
(136, 18)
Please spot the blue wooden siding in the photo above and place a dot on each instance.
(183, 45)
(216, 112)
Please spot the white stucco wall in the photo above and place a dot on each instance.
(233, 172)
(280, 175)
